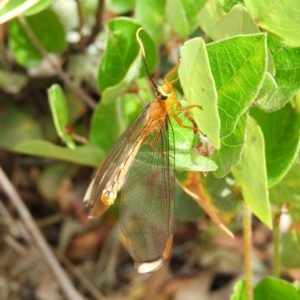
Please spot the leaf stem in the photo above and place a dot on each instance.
(247, 252)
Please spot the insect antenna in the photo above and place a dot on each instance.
(144, 56)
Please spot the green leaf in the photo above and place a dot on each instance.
(227, 5)
(288, 189)
(278, 17)
(120, 6)
(209, 16)
(183, 15)
(34, 9)
(151, 15)
(266, 92)
(216, 195)
(239, 290)
(251, 174)
(238, 21)
(199, 88)
(59, 110)
(282, 140)
(290, 249)
(186, 209)
(287, 64)
(238, 65)
(47, 28)
(17, 126)
(84, 155)
(222, 194)
(185, 158)
(121, 60)
(270, 288)
(110, 120)
(231, 149)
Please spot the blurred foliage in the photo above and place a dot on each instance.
(240, 60)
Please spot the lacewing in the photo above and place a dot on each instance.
(142, 163)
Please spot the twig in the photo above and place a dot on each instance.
(17, 11)
(80, 17)
(247, 252)
(79, 92)
(62, 278)
(98, 24)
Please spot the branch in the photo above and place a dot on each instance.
(80, 17)
(45, 251)
(98, 25)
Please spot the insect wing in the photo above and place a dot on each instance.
(147, 202)
(112, 161)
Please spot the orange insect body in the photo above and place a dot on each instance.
(140, 164)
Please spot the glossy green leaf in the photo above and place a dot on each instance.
(238, 21)
(227, 5)
(199, 88)
(239, 291)
(151, 15)
(121, 60)
(278, 17)
(288, 189)
(287, 64)
(183, 15)
(17, 126)
(290, 249)
(231, 149)
(209, 16)
(59, 110)
(238, 66)
(84, 155)
(34, 9)
(270, 288)
(282, 140)
(47, 28)
(251, 174)
(120, 6)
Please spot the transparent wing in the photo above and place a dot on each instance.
(147, 201)
(113, 160)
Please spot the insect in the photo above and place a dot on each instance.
(142, 164)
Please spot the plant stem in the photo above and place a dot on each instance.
(247, 252)
(276, 247)
(80, 17)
